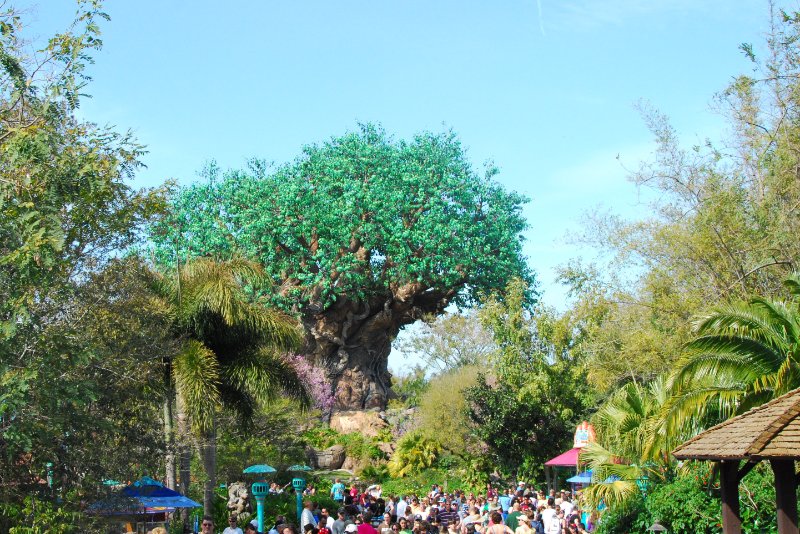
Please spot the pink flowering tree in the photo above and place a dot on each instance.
(315, 381)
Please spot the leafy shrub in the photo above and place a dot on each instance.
(375, 473)
(691, 504)
(624, 520)
(414, 452)
(419, 483)
(38, 516)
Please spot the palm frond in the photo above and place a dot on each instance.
(264, 374)
(730, 367)
(689, 407)
(792, 284)
(741, 320)
(781, 316)
(196, 375)
(617, 494)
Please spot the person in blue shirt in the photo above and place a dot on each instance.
(337, 491)
(505, 503)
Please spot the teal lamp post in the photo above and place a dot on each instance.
(259, 490)
(299, 484)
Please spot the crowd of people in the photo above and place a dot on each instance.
(520, 510)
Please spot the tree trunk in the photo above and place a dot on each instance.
(184, 450)
(208, 456)
(169, 438)
(352, 340)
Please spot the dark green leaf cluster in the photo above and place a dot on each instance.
(520, 435)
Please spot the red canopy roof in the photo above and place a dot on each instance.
(568, 459)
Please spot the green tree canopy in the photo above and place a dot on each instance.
(363, 234)
(72, 370)
(526, 407)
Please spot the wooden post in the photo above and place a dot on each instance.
(547, 478)
(785, 495)
(729, 486)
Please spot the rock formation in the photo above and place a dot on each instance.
(238, 498)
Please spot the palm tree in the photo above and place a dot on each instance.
(232, 351)
(744, 355)
(634, 446)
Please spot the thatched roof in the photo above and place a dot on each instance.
(771, 430)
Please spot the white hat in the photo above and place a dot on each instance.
(523, 517)
(254, 522)
(351, 528)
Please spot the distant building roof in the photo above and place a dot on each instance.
(569, 458)
(771, 430)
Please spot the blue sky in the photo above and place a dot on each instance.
(547, 89)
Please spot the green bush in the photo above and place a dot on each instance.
(38, 516)
(691, 504)
(684, 505)
(419, 483)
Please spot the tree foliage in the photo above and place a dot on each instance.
(448, 342)
(363, 235)
(359, 215)
(442, 413)
(526, 408)
(722, 223)
(67, 396)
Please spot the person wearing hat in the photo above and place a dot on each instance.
(524, 525)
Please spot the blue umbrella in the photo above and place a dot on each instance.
(153, 494)
(259, 468)
(583, 478)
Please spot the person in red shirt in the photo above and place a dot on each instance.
(365, 526)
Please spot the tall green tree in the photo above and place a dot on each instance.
(66, 210)
(721, 224)
(232, 350)
(526, 407)
(364, 234)
(442, 413)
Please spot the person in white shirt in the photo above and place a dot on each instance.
(232, 527)
(375, 491)
(566, 506)
(402, 504)
(550, 518)
(307, 517)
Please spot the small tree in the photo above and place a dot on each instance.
(526, 408)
